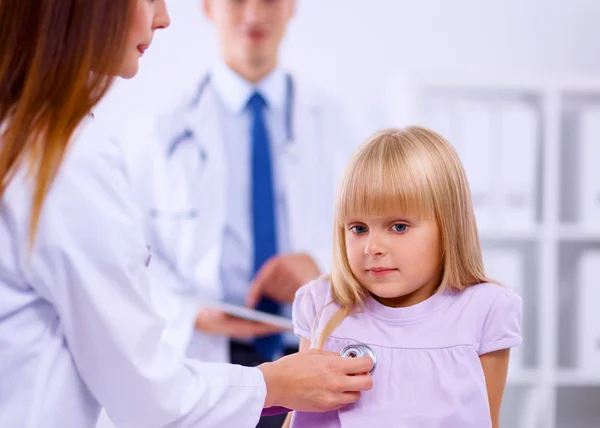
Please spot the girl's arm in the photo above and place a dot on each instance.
(304, 346)
(495, 369)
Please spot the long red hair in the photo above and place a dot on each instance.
(56, 62)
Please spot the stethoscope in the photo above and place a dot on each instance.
(356, 350)
(188, 134)
(360, 350)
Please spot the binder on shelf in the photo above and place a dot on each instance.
(518, 145)
(474, 141)
(589, 183)
(589, 313)
(507, 266)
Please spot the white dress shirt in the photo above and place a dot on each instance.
(234, 92)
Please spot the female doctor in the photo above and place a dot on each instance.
(76, 329)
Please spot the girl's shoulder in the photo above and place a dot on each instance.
(495, 312)
(317, 290)
(310, 302)
(482, 297)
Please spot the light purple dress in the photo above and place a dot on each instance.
(428, 372)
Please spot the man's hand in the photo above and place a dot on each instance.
(280, 278)
(214, 321)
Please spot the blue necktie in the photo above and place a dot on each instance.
(263, 214)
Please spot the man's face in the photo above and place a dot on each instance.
(250, 31)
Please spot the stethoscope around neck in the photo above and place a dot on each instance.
(188, 134)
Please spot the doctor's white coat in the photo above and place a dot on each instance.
(77, 329)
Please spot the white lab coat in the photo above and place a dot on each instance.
(194, 180)
(77, 330)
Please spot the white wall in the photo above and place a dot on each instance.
(359, 43)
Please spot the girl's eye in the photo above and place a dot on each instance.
(400, 227)
(358, 229)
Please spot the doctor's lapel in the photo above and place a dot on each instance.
(207, 187)
(199, 251)
(301, 173)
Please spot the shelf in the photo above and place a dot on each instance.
(564, 377)
(583, 84)
(579, 233)
(577, 378)
(564, 233)
(523, 377)
(510, 235)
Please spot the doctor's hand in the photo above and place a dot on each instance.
(213, 321)
(280, 277)
(316, 381)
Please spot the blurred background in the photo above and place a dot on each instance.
(515, 86)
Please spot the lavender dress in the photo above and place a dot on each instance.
(428, 372)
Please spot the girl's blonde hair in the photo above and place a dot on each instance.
(416, 172)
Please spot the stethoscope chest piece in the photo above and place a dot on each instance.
(359, 350)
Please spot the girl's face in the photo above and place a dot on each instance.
(397, 259)
(148, 16)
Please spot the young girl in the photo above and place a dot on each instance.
(408, 288)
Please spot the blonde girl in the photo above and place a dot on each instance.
(408, 288)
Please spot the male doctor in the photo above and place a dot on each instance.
(240, 191)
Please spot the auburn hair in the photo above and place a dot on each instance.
(59, 58)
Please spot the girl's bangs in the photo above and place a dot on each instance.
(383, 183)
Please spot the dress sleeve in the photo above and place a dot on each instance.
(502, 325)
(304, 311)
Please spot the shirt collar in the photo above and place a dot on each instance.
(235, 91)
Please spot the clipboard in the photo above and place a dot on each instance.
(251, 314)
